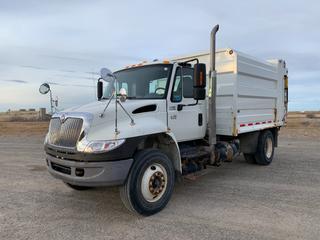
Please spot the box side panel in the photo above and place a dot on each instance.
(258, 94)
(249, 92)
(225, 107)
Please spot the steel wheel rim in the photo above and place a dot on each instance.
(268, 147)
(154, 182)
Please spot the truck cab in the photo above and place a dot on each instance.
(96, 144)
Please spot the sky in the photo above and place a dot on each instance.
(65, 43)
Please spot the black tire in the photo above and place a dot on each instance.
(264, 154)
(131, 192)
(250, 158)
(78, 188)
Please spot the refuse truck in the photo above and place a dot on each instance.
(155, 122)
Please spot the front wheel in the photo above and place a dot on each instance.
(150, 183)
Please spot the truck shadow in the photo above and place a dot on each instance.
(105, 202)
(101, 202)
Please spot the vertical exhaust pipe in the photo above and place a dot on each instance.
(212, 93)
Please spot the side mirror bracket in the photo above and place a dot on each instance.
(180, 106)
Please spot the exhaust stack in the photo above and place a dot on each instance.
(212, 92)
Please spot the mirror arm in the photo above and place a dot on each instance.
(104, 110)
(180, 106)
(126, 112)
(191, 60)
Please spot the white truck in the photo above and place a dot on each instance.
(155, 122)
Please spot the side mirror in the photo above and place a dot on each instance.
(199, 81)
(99, 90)
(44, 88)
(199, 78)
(105, 73)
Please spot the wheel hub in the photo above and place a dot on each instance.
(156, 183)
(268, 147)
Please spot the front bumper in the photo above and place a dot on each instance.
(103, 173)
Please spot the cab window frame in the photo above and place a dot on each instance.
(181, 79)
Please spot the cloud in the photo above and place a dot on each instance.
(73, 76)
(80, 85)
(55, 83)
(68, 58)
(71, 85)
(93, 73)
(67, 71)
(34, 67)
(16, 81)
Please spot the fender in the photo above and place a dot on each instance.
(175, 152)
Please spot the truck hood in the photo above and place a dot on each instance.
(149, 117)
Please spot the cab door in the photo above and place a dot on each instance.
(187, 123)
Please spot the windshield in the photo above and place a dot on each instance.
(147, 82)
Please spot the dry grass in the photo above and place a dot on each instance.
(300, 125)
(23, 128)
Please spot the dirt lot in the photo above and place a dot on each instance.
(234, 201)
(23, 129)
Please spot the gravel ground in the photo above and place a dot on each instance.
(234, 201)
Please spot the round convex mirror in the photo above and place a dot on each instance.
(105, 73)
(44, 88)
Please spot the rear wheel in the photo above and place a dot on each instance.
(265, 150)
(150, 183)
(78, 188)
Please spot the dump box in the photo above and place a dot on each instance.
(250, 92)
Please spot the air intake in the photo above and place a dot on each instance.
(64, 134)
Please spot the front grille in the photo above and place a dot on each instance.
(60, 168)
(64, 134)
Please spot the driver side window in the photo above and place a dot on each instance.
(182, 88)
(177, 87)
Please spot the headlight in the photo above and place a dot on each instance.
(99, 146)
